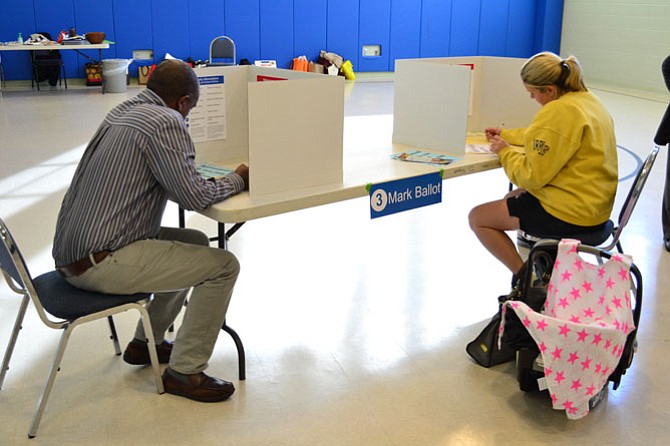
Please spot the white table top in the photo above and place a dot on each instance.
(56, 46)
(361, 167)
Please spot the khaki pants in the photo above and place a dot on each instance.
(169, 267)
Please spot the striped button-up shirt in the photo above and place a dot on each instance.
(141, 156)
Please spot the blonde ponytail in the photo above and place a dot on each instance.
(547, 68)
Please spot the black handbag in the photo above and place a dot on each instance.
(484, 348)
(531, 289)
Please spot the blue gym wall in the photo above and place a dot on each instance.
(283, 29)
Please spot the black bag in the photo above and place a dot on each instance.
(515, 335)
(484, 348)
(533, 292)
(531, 288)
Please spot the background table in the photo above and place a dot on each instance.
(60, 47)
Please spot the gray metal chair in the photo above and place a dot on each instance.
(222, 52)
(63, 307)
(610, 231)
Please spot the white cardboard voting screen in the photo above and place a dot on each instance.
(287, 125)
(498, 97)
(295, 134)
(424, 99)
(430, 105)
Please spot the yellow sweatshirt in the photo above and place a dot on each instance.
(569, 159)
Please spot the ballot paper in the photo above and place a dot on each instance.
(419, 156)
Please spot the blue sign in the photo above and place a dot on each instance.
(210, 80)
(402, 195)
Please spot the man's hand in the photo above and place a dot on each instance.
(243, 171)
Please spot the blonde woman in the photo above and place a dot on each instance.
(565, 166)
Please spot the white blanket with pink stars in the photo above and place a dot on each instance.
(583, 328)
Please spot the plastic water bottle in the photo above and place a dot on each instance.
(20, 39)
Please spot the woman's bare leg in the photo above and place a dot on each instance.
(489, 221)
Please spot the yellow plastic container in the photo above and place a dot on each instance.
(348, 71)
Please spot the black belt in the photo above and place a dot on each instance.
(81, 266)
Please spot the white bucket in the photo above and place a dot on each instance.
(114, 74)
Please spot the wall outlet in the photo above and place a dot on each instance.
(143, 54)
(372, 50)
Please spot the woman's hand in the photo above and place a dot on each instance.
(491, 132)
(497, 144)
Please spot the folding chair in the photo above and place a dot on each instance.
(53, 297)
(611, 231)
(222, 51)
(47, 65)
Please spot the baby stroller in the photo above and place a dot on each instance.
(530, 366)
(571, 340)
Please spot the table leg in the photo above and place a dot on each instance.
(102, 82)
(224, 235)
(221, 237)
(182, 218)
(241, 356)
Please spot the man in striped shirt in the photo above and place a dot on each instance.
(109, 236)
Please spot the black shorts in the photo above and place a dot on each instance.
(534, 220)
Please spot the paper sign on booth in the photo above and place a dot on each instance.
(207, 121)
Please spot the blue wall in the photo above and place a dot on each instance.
(282, 29)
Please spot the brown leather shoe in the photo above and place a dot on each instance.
(137, 353)
(199, 387)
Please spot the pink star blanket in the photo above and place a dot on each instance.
(582, 329)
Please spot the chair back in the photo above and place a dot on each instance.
(632, 197)
(663, 133)
(16, 274)
(46, 56)
(222, 51)
(11, 261)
